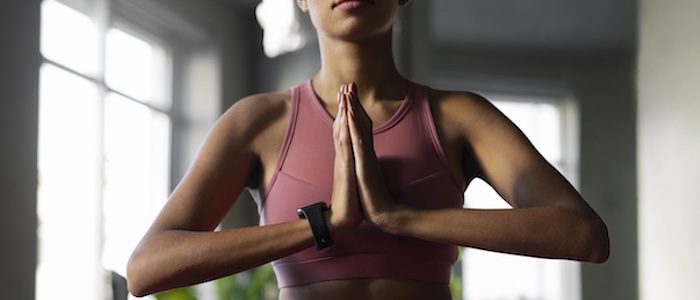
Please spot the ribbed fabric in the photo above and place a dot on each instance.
(415, 170)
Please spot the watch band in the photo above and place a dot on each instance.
(314, 213)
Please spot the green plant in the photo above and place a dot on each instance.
(185, 293)
(255, 284)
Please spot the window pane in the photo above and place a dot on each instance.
(68, 37)
(137, 159)
(136, 68)
(540, 122)
(68, 194)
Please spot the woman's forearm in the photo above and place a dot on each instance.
(176, 258)
(548, 231)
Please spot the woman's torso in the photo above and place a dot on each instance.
(271, 142)
(368, 289)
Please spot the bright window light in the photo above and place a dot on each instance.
(68, 212)
(104, 149)
(124, 54)
(282, 29)
(136, 145)
(542, 124)
(68, 37)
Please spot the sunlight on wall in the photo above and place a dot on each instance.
(668, 148)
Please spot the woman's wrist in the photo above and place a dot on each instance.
(336, 226)
(339, 223)
(395, 220)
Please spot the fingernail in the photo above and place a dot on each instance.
(342, 88)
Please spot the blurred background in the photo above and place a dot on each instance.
(104, 103)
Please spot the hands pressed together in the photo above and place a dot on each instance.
(359, 191)
(550, 217)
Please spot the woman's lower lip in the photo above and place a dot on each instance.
(350, 5)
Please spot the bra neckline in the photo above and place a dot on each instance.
(398, 115)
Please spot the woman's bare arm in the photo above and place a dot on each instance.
(181, 247)
(549, 219)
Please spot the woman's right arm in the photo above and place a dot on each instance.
(181, 248)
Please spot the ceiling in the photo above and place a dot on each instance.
(544, 26)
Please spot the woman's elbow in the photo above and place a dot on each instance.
(135, 277)
(597, 242)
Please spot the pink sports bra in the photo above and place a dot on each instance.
(415, 170)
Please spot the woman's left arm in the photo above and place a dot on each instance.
(549, 218)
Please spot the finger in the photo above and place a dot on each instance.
(350, 104)
(338, 96)
(356, 136)
(357, 110)
(355, 99)
(343, 120)
(337, 114)
(340, 122)
(352, 90)
(341, 108)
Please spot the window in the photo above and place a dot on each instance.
(104, 145)
(489, 275)
(283, 28)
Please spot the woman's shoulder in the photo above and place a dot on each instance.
(461, 106)
(456, 98)
(260, 105)
(253, 116)
(254, 109)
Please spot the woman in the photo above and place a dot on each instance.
(391, 156)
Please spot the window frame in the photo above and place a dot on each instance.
(188, 44)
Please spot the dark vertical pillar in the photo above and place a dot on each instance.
(19, 99)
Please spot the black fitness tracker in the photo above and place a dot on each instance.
(314, 213)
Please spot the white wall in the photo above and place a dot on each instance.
(669, 147)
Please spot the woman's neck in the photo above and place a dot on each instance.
(367, 63)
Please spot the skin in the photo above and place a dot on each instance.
(549, 218)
